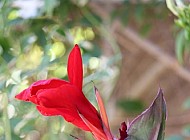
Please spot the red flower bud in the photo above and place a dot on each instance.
(123, 131)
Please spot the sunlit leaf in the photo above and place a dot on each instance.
(31, 59)
(180, 46)
(49, 6)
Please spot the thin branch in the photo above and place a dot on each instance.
(153, 50)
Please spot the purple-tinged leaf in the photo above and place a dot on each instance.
(150, 124)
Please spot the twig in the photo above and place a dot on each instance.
(153, 50)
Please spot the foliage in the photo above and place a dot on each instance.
(182, 11)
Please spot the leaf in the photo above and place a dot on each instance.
(186, 130)
(131, 106)
(5, 45)
(150, 124)
(175, 137)
(180, 46)
(171, 5)
(186, 104)
(50, 6)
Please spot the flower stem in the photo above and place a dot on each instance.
(6, 118)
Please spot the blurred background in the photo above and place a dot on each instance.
(130, 48)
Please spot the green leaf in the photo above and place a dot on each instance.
(49, 6)
(175, 137)
(180, 46)
(186, 131)
(186, 104)
(5, 45)
(171, 5)
(131, 106)
(150, 124)
(41, 40)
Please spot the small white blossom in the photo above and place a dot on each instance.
(28, 8)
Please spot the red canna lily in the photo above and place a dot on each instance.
(65, 98)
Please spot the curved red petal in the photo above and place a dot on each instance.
(69, 115)
(61, 97)
(23, 95)
(26, 94)
(69, 97)
(103, 114)
(96, 132)
(74, 67)
(47, 84)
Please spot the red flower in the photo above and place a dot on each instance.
(65, 98)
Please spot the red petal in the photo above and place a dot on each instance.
(103, 115)
(39, 85)
(69, 115)
(69, 97)
(74, 68)
(47, 84)
(23, 95)
(61, 97)
(96, 132)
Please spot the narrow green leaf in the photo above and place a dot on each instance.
(186, 103)
(180, 46)
(5, 46)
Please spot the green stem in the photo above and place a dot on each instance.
(6, 118)
(3, 16)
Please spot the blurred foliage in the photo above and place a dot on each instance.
(175, 137)
(35, 39)
(139, 14)
(131, 106)
(181, 9)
